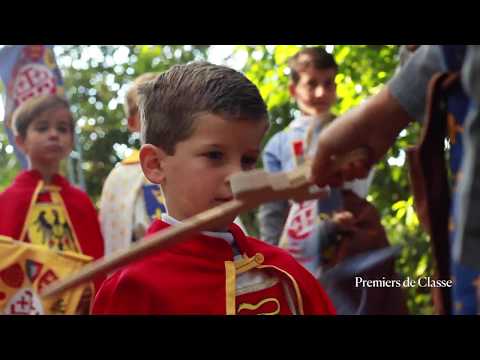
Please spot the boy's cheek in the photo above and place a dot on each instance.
(68, 150)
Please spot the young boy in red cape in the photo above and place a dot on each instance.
(201, 123)
(40, 206)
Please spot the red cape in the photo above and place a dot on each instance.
(190, 278)
(15, 202)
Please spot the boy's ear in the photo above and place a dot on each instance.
(133, 123)
(20, 142)
(152, 161)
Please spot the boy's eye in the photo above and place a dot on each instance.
(214, 155)
(249, 161)
(41, 128)
(62, 129)
(328, 83)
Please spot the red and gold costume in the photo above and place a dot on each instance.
(59, 216)
(200, 276)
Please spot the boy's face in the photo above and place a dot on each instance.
(195, 178)
(49, 138)
(315, 92)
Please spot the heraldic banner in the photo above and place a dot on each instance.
(27, 71)
(25, 269)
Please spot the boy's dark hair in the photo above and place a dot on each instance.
(169, 105)
(34, 107)
(317, 57)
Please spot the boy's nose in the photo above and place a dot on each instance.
(232, 170)
(319, 91)
(53, 133)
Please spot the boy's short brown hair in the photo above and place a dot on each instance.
(34, 107)
(170, 104)
(317, 57)
(130, 104)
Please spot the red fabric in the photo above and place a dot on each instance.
(189, 278)
(15, 202)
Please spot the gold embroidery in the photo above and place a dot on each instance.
(158, 214)
(294, 283)
(30, 208)
(247, 306)
(159, 196)
(245, 264)
(230, 287)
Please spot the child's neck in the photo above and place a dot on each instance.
(47, 171)
(169, 219)
(320, 118)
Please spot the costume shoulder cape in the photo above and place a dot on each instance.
(192, 278)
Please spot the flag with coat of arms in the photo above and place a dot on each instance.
(28, 71)
(26, 269)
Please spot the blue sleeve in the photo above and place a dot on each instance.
(272, 153)
(272, 216)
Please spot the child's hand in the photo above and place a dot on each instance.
(344, 220)
(343, 226)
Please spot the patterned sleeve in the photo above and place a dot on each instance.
(106, 209)
(467, 245)
(272, 215)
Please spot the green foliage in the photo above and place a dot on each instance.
(9, 166)
(415, 260)
(96, 79)
(96, 88)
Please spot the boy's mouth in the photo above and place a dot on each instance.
(224, 199)
(54, 147)
(320, 104)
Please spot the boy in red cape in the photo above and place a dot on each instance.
(40, 206)
(202, 123)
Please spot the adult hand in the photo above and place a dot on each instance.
(374, 125)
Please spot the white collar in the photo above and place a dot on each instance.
(225, 235)
(300, 122)
(305, 120)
